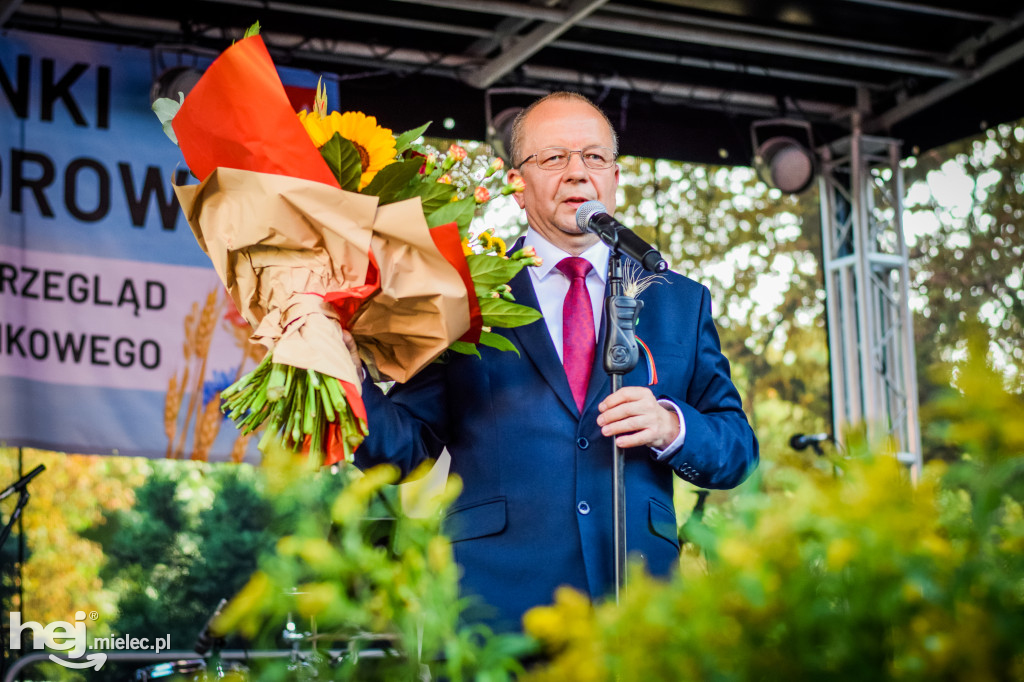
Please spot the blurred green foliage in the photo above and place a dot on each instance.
(856, 573)
(374, 590)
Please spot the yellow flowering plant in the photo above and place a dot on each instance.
(372, 577)
(846, 568)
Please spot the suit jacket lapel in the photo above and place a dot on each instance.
(534, 341)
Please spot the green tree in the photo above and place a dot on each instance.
(963, 219)
(759, 252)
(177, 552)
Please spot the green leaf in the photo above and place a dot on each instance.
(391, 180)
(403, 141)
(433, 195)
(465, 348)
(165, 110)
(253, 30)
(343, 159)
(497, 312)
(497, 341)
(460, 212)
(490, 271)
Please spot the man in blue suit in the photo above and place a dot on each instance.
(531, 438)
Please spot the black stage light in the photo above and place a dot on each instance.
(499, 132)
(783, 156)
(172, 81)
(508, 102)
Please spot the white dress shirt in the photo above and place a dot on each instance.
(551, 286)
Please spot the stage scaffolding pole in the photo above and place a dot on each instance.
(867, 287)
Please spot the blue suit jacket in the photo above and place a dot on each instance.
(536, 507)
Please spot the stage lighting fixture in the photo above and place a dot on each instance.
(499, 126)
(172, 81)
(783, 156)
(499, 132)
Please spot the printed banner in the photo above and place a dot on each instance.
(115, 333)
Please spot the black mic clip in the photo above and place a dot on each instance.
(621, 352)
(801, 441)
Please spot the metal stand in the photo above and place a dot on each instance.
(20, 487)
(15, 515)
(620, 356)
(871, 339)
(173, 656)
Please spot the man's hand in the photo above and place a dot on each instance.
(633, 415)
(353, 350)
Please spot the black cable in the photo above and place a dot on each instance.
(21, 541)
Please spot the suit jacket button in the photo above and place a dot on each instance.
(582, 443)
(583, 508)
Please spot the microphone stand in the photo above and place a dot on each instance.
(20, 487)
(620, 357)
(22, 501)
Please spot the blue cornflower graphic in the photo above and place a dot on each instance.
(220, 381)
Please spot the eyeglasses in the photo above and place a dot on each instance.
(557, 158)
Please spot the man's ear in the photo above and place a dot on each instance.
(518, 196)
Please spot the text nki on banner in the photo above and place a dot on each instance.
(116, 335)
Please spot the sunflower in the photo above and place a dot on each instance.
(375, 144)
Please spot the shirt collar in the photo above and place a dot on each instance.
(551, 255)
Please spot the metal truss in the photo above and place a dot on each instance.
(874, 376)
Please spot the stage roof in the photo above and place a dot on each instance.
(681, 79)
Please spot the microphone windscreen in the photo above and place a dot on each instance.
(587, 209)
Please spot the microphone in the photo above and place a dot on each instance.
(20, 485)
(800, 441)
(592, 216)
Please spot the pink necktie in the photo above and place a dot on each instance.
(578, 338)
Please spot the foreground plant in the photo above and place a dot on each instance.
(368, 576)
(862, 575)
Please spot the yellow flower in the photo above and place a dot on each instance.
(439, 555)
(498, 244)
(375, 144)
(545, 623)
(839, 553)
(490, 242)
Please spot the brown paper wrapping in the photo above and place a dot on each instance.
(280, 243)
(423, 305)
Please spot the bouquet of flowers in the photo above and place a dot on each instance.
(322, 221)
